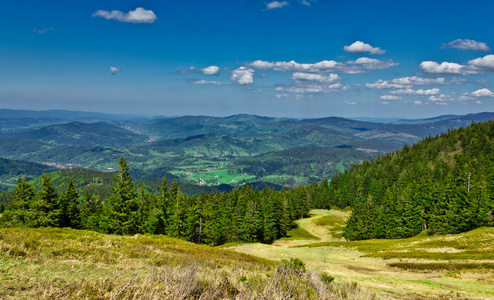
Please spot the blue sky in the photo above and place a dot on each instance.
(296, 58)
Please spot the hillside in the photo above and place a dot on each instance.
(81, 134)
(442, 184)
(10, 170)
(190, 147)
(304, 164)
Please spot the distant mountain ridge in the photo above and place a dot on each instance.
(189, 146)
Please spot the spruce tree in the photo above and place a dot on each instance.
(120, 215)
(91, 212)
(18, 210)
(69, 207)
(45, 210)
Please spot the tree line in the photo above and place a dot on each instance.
(443, 184)
(243, 214)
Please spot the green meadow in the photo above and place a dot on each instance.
(423, 267)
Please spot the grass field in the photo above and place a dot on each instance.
(423, 267)
(211, 176)
(52, 263)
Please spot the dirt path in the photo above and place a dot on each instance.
(349, 265)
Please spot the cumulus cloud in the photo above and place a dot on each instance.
(474, 66)
(467, 45)
(434, 91)
(482, 64)
(139, 15)
(440, 98)
(211, 70)
(360, 48)
(390, 97)
(432, 67)
(243, 75)
(304, 2)
(409, 82)
(276, 4)
(384, 84)
(114, 70)
(482, 93)
(361, 65)
(44, 30)
(315, 77)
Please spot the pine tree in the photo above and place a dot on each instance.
(69, 207)
(120, 215)
(91, 212)
(18, 210)
(45, 209)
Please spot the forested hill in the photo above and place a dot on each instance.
(442, 184)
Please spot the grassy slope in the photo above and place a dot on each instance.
(49, 263)
(424, 267)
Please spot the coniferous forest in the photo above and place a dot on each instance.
(242, 215)
(443, 185)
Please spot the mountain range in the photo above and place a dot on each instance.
(206, 150)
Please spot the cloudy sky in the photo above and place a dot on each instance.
(292, 58)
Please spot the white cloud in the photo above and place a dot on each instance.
(304, 2)
(350, 103)
(276, 4)
(211, 70)
(243, 75)
(316, 88)
(465, 97)
(415, 80)
(361, 65)
(409, 82)
(210, 82)
(139, 15)
(432, 67)
(361, 47)
(417, 102)
(485, 63)
(474, 66)
(390, 97)
(44, 30)
(439, 98)
(261, 65)
(114, 70)
(315, 77)
(467, 45)
(482, 93)
(384, 84)
(434, 91)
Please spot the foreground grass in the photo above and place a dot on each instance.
(423, 267)
(52, 263)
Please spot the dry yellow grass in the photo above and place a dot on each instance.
(348, 264)
(53, 263)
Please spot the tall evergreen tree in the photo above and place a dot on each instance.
(18, 210)
(120, 215)
(45, 210)
(69, 207)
